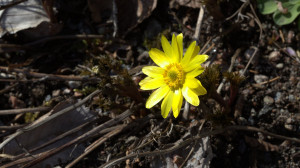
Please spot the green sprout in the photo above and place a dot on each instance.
(284, 11)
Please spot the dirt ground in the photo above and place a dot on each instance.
(70, 95)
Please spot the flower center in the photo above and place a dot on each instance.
(174, 76)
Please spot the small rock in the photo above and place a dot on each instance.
(291, 98)
(291, 51)
(242, 121)
(48, 98)
(268, 100)
(56, 93)
(289, 127)
(78, 94)
(278, 97)
(74, 84)
(260, 78)
(279, 66)
(266, 109)
(253, 112)
(67, 91)
(274, 56)
(289, 121)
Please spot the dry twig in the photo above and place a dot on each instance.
(30, 127)
(44, 76)
(24, 110)
(194, 139)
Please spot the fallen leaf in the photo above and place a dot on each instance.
(48, 131)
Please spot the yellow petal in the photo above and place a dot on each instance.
(175, 52)
(180, 45)
(157, 95)
(190, 96)
(192, 82)
(195, 72)
(177, 102)
(195, 62)
(152, 83)
(188, 54)
(199, 59)
(167, 104)
(147, 79)
(196, 51)
(159, 57)
(166, 46)
(153, 71)
(200, 90)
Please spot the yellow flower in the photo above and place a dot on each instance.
(174, 76)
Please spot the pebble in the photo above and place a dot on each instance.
(291, 98)
(48, 98)
(279, 66)
(253, 112)
(288, 127)
(66, 91)
(74, 84)
(266, 109)
(289, 121)
(291, 51)
(274, 56)
(242, 121)
(268, 100)
(260, 78)
(278, 97)
(56, 93)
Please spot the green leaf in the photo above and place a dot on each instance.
(266, 6)
(294, 2)
(284, 19)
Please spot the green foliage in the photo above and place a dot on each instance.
(86, 90)
(30, 117)
(284, 11)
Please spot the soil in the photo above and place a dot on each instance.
(266, 98)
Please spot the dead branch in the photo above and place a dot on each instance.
(24, 110)
(194, 139)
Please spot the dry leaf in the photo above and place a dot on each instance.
(128, 13)
(50, 130)
(189, 3)
(28, 16)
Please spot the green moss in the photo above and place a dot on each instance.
(30, 117)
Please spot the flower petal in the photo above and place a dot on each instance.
(188, 54)
(150, 84)
(180, 45)
(153, 71)
(200, 90)
(196, 51)
(159, 57)
(147, 79)
(157, 95)
(177, 102)
(175, 52)
(167, 104)
(195, 72)
(192, 82)
(190, 96)
(195, 62)
(199, 59)
(166, 46)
